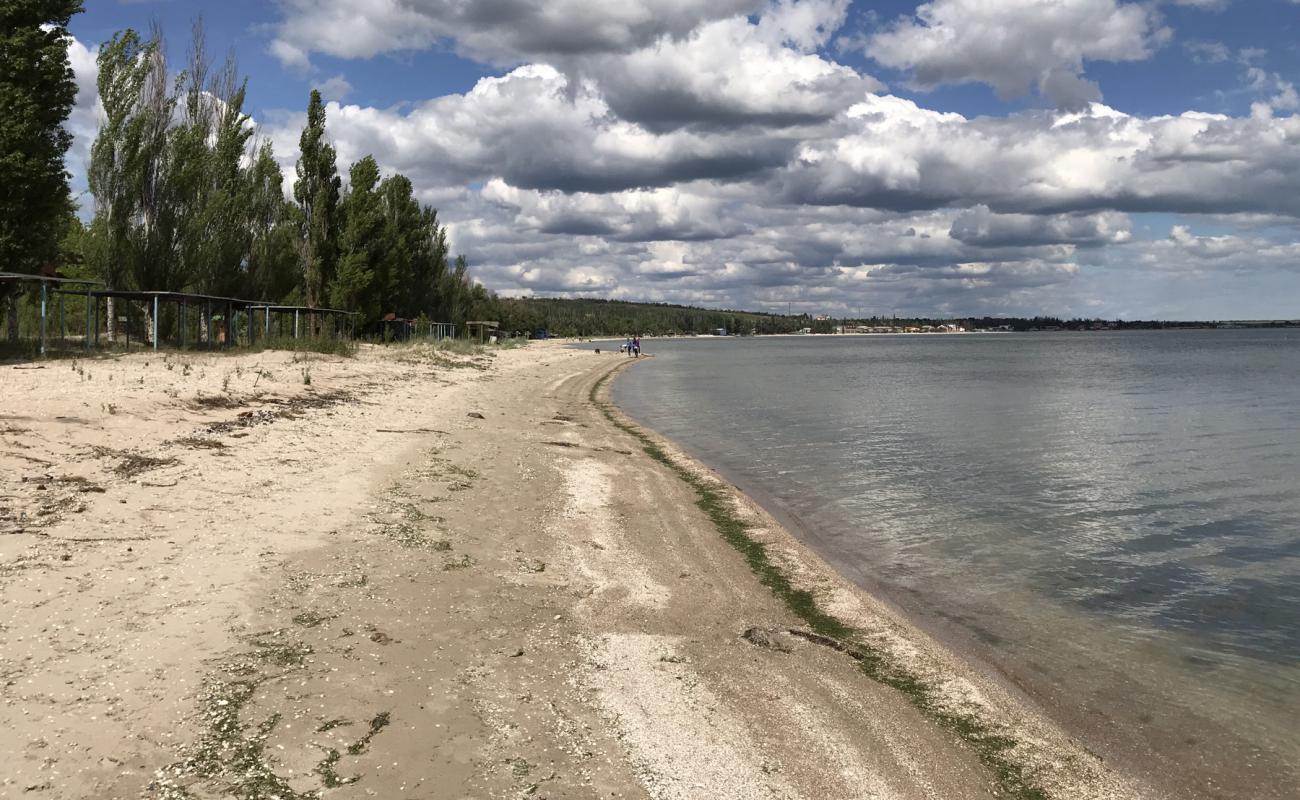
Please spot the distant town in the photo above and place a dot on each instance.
(825, 324)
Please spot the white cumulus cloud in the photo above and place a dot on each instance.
(1018, 46)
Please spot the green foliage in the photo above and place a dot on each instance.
(188, 199)
(133, 234)
(273, 266)
(589, 317)
(317, 194)
(416, 252)
(328, 345)
(37, 91)
(361, 244)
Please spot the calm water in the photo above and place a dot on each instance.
(1109, 521)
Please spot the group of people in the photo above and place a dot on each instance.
(632, 346)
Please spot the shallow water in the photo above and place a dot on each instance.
(1110, 521)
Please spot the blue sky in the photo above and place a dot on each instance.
(943, 158)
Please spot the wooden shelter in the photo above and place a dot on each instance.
(481, 330)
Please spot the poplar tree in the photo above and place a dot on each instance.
(273, 266)
(131, 239)
(361, 244)
(37, 90)
(208, 180)
(401, 292)
(317, 194)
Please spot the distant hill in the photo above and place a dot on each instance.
(586, 317)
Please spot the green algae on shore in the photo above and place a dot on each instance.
(995, 749)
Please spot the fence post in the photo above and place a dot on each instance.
(44, 296)
(155, 322)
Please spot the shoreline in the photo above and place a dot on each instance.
(1013, 712)
(445, 575)
(1131, 748)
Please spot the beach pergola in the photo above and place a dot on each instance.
(46, 281)
(481, 329)
(183, 301)
(210, 305)
(344, 321)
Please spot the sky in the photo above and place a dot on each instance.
(1093, 158)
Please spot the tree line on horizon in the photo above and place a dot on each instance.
(186, 196)
(586, 317)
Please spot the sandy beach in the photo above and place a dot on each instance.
(421, 574)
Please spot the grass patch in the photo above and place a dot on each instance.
(994, 749)
(306, 344)
(464, 347)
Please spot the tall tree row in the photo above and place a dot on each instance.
(37, 91)
(187, 198)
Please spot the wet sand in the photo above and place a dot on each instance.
(428, 575)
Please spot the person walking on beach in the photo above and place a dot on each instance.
(627, 347)
(636, 347)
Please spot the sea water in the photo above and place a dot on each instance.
(1109, 522)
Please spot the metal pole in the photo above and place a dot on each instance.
(266, 320)
(155, 322)
(63, 323)
(44, 298)
(250, 325)
(86, 343)
(180, 336)
(96, 318)
(295, 323)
